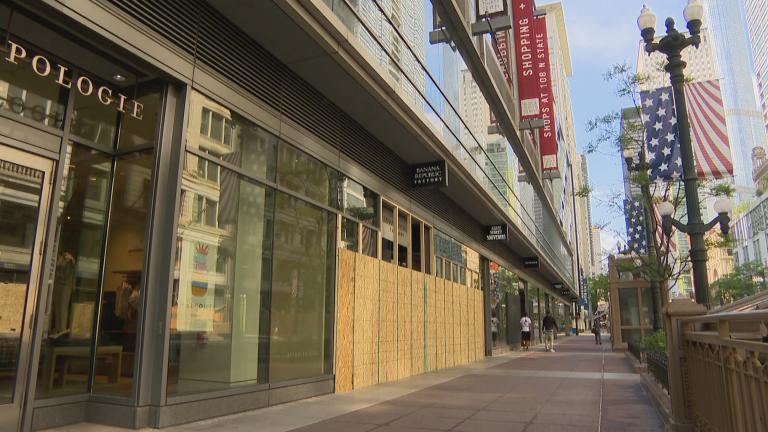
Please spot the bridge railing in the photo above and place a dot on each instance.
(718, 369)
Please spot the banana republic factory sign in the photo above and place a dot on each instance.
(84, 85)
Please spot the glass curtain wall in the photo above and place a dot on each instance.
(101, 224)
(505, 305)
(254, 278)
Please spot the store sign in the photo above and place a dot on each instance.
(58, 73)
(531, 262)
(527, 81)
(547, 136)
(502, 51)
(490, 7)
(429, 174)
(496, 232)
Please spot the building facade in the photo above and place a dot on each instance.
(200, 218)
(746, 128)
(757, 24)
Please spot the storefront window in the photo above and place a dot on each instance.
(403, 239)
(301, 330)
(416, 244)
(387, 233)
(81, 216)
(28, 94)
(360, 202)
(123, 274)
(308, 177)
(427, 249)
(222, 274)
(219, 132)
(349, 234)
(647, 307)
(370, 242)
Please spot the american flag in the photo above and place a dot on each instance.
(709, 135)
(634, 217)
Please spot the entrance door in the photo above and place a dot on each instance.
(24, 197)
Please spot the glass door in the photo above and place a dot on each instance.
(24, 197)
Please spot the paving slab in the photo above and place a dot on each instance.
(580, 387)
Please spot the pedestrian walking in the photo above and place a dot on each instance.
(549, 325)
(525, 324)
(596, 329)
(494, 329)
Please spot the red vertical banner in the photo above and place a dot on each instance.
(527, 81)
(547, 135)
(501, 49)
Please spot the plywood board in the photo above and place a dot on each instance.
(388, 324)
(418, 292)
(464, 340)
(450, 314)
(431, 345)
(440, 331)
(470, 311)
(480, 326)
(345, 315)
(404, 322)
(366, 325)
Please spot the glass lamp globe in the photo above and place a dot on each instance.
(666, 208)
(647, 19)
(694, 10)
(723, 205)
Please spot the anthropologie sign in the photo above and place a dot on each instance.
(58, 73)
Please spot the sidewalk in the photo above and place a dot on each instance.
(581, 387)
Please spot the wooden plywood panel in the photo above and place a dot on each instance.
(470, 311)
(440, 331)
(450, 359)
(456, 324)
(464, 341)
(366, 326)
(431, 345)
(404, 322)
(418, 292)
(345, 310)
(480, 326)
(388, 324)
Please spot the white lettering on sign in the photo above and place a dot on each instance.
(43, 67)
(428, 174)
(496, 232)
(489, 7)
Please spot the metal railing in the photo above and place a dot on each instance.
(721, 364)
(658, 366)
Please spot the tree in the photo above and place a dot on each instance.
(625, 130)
(597, 287)
(745, 280)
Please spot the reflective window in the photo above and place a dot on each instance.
(427, 249)
(360, 202)
(630, 309)
(403, 239)
(416, 244)
(29, 95)
(123, 274)
(370, 242)
(81, 217)
(305, 175)
(387, 233)
(302, 290)
(349, 234)
(223, 134)
(222, 274)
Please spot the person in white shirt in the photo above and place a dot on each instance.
(525, 323)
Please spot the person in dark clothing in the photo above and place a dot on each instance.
(596, 330)
(549, 325)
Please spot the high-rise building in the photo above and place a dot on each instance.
(701, 64)
(597, 251)
(757, 23)
(746, 129)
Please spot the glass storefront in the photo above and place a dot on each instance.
(506, 309)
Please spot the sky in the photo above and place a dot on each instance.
(602, 33)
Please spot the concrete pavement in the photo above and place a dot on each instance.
(581, 387)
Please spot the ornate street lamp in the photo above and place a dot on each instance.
(672, 45)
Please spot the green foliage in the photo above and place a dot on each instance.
(656, 342)
(597, 287)
(722, 189)
(745, 280)
(583, 191)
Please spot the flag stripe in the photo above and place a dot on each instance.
(709, 129)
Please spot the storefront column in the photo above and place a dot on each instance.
(153, 325)
(485, 279)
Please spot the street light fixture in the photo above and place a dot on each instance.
(723, 206)
(672, 45)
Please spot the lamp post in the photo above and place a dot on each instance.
(642, 166)
(672, 45)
